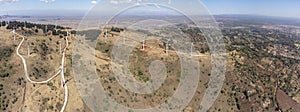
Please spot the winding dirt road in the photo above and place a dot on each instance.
(61, 70)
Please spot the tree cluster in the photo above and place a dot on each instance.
(55, 29)
(2, 23)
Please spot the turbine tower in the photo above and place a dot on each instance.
(60, 47)
(55, 28)
(14, 32)
(28, 48)
(24, 24)
(192, 49)
(1, 21)
(46, 28)
(105, 34)
(167, 47)
(124, 38)
(143, 47)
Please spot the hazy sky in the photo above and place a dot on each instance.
(286, 8)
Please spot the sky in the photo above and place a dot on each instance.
(283, 8)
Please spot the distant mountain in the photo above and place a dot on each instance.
(50, 12)
(14, 16)
(259, 19)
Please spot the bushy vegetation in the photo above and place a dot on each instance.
(5, 52)
(116, 29)
(55, 29)
(45, 50)
(17, 24)
(6, 67)
(3, 23)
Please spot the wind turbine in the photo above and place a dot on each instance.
(124, 38)
(60, 47)
(28, 48)
(137, 2)
(298, 35)
(105, 27)
(55, 28)
(1, 21)
(192, 49)
(143, 47)
(24, 24)
(105, 34)
(46, 28)
(14, 32)
(167, 47)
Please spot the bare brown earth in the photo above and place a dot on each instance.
(286, 102)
